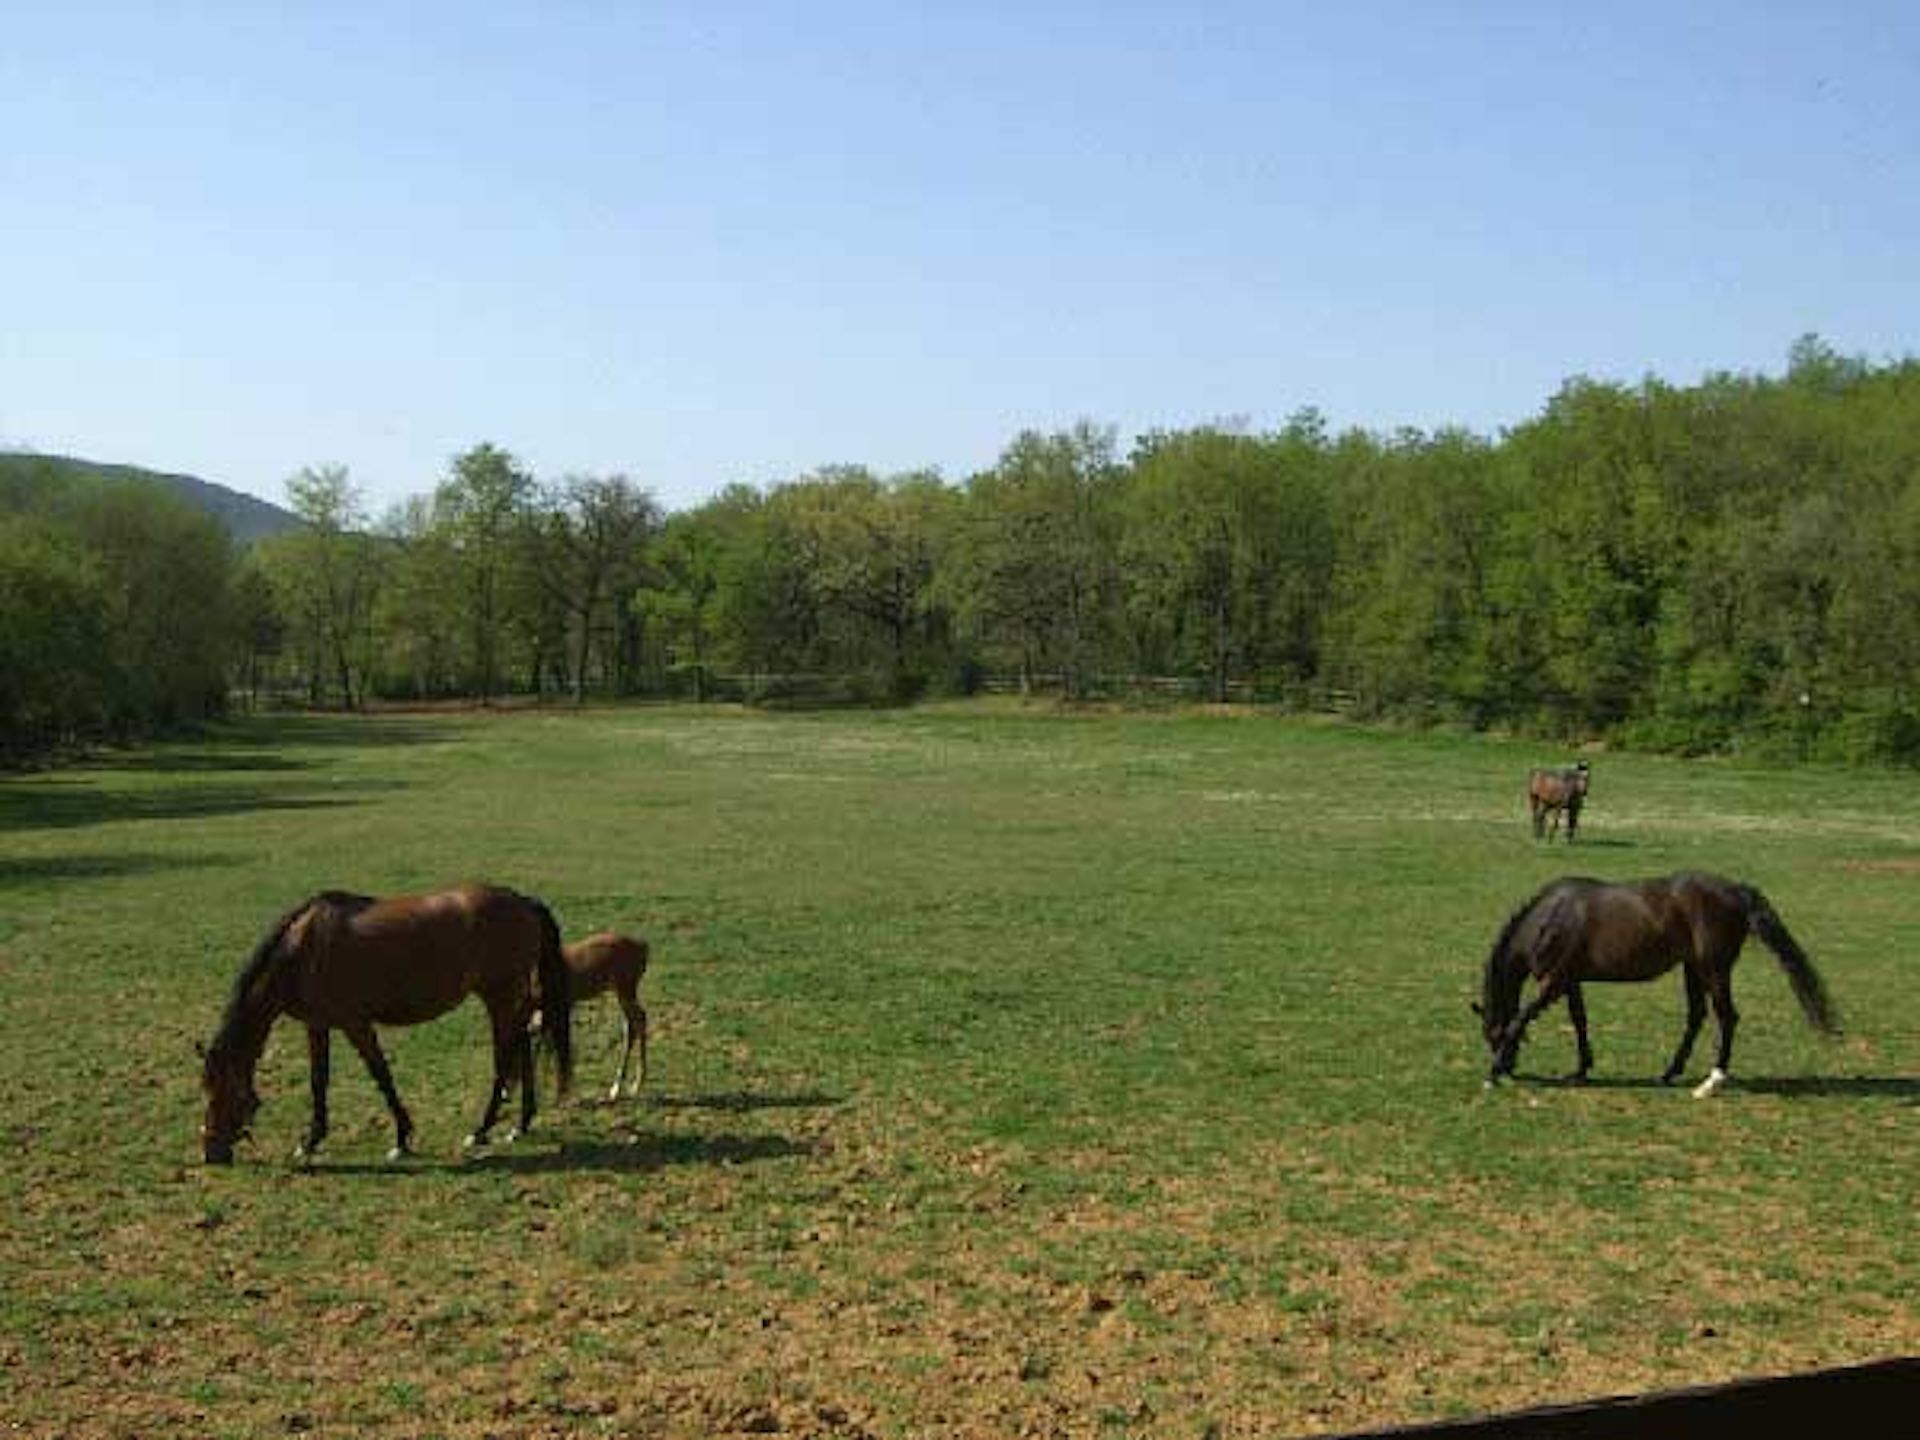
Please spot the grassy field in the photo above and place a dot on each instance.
(1015, 1073)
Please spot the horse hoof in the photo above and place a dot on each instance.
(302, 1157)
(614, 1093)
(514, 1134)
(1715, 1079)
(398, 1153)
(476, 1141)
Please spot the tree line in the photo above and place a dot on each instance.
(1730, 564)
(122, 608)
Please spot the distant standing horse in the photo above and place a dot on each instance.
(1576, 930)
(350, 962)
(1551, 791)
(606, 961)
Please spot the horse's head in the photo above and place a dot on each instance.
(1581, 775)
(1492, 1026)
(232, 1103)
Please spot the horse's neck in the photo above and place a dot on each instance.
(1505, 977)
(249, 1021)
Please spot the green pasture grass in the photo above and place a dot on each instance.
(1013, 1069)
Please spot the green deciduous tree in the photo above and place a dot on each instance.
(327, 578)
(484, 508)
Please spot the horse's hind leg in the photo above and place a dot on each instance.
(1720, 992)
(1577, 1012)
(1539, 818)
(507, 1041)
(524, 1051)
(1696, 1013)
(319, 1063)
(368, 1044)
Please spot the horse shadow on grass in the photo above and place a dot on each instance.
(1793, 1087)
(640, 1153)
(743, 1102)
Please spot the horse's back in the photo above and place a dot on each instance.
(403, 959)
(1633, 929)
(1555, 914)
(1556, 788)
(603, 959)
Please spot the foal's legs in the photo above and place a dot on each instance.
(319, 1062)
(1696, 1012)
(635, 1016)
(1577, 1010)
(368, 1044)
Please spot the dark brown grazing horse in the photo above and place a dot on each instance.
(350, 962)
(1551, 791)
(608, 961)
(1577, 930)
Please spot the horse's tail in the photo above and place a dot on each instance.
(1808, 988)
(556, 996)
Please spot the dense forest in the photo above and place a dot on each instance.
(1731, 565)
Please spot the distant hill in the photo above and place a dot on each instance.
(247, 519)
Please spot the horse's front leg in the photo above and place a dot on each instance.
(1509, 1051)
(368, 1044)
(319, 1063)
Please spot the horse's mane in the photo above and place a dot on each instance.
(242, 1012)
(1495, 995)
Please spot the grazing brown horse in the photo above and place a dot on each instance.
(1551, 791)
(1577, 930)
(607, 961)
(350, 962)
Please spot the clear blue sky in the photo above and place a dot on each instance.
(712, 242)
